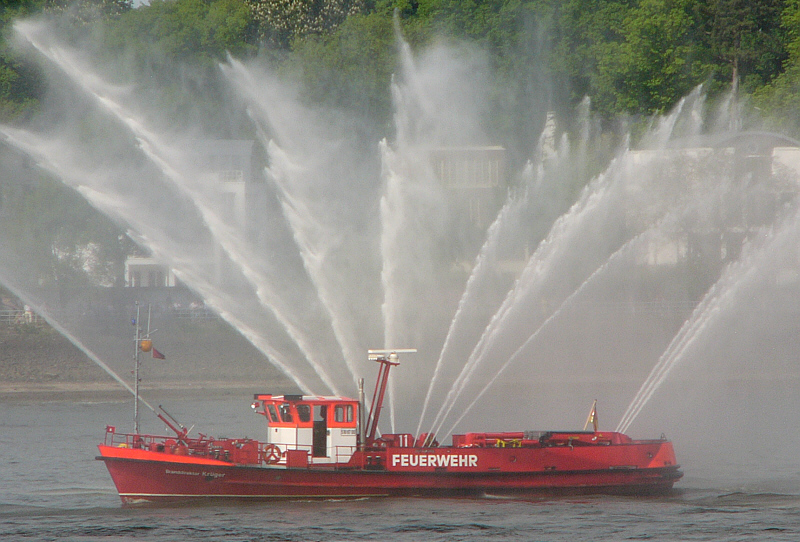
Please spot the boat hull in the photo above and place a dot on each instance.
(145, 476)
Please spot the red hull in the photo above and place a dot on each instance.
(641, 467)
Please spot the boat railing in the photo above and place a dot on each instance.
(241, 451)
(344, 453)
(337, 455)
(131, 440)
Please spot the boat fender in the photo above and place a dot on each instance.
(271, 454)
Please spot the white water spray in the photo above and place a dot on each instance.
(314, 238)
(40, 310)
(567, 226)
(622, 255)
(220, 229)
(720, 298)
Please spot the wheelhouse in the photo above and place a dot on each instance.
(309, 429)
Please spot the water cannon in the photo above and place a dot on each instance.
(387, 358)
(389, 355)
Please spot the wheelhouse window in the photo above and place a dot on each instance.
(286, 412)
(304, 413)
(273, 413)
(343, 413)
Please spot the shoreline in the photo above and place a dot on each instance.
(78, 391)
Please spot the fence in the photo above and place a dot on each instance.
(12, 316)
(202, 313)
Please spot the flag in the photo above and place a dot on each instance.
(592, 419)
(157, 354)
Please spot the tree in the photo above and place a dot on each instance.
(21, 87)
(82, 12)
(780, 98)
(631, 56)
(282, 21)
(745, 39)
(659, 64)
(193, 31)
(351, 67)
(52, 228)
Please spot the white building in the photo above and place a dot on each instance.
(141, 272)
(475, 176)
(228, 170)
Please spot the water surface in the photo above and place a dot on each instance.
(52, 488)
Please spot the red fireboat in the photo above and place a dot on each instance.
(321, 447)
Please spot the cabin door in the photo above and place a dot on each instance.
(319, 446)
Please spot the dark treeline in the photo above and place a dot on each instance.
(632, 58)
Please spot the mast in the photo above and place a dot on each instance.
(140, 344)
(143, 343)
(387, 359)
(136, 340)
(361, 408)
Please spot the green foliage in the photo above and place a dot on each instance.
(590, 34)
(20, 84)
(657, 67)
(192, 31)
(82, 12)
(20, 89)
(280, 22)
(350, 68)
(745, 39)
(174, 46)
(630, 56)
(780, 98)
(491, 23)
(53, 230)
(11, 9)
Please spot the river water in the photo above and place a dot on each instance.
(52, 488)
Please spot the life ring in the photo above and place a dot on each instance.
(271, 454)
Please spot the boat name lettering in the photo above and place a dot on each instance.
(190, 473)
(186, 472)
(434, 460)
(348, 432)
